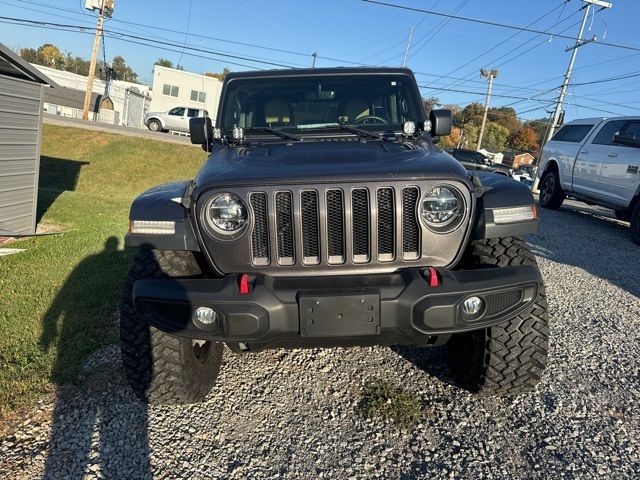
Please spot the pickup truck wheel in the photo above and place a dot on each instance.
(635, 224)
(508, 358)
(154, 126)
(551, 193)
(162, 368)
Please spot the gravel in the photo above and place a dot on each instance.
(294, 414)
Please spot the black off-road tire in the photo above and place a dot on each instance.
(635, 223)
(162, 368)
(551, 193)
(508, 358)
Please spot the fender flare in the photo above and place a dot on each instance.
(501, 192)
(164, 203)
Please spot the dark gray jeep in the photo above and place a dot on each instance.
(326, 216)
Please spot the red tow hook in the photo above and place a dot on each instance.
(434, 281)
(244, 284)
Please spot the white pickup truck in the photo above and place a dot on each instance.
(595, 160)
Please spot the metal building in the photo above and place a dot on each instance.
(21, 96)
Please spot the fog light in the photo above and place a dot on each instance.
(472, 305)
(206, 316)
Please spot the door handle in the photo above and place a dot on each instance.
(613, 155)
(585, 152)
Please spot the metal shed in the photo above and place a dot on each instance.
(21, 96)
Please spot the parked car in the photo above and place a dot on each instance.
(176, 119)
(326, 217)
(595, 160)
(477, 161)
(523, 176)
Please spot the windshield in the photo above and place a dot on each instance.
(375, 102)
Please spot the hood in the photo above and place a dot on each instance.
(330, 161)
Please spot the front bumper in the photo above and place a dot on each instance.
(385, 309)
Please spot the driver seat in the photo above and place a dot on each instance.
(356, 108)
(276, 112)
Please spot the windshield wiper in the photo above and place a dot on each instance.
(277, 132)
(364, 133)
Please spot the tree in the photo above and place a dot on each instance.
(165, 62)
(451, 140)
(471, 114)
(525, 140)
(495, 137)
(51, 56)
(122, 70)
(76, 65)
(29, 54)
(505, 116)
(430, 103)
(219, 76)
(469, 136)
(540, 127)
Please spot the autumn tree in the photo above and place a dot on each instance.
(219, 76)
(525, 140)
(471, 114)
(451, 140)
(48, 55)
(505, 116)
(539, 125)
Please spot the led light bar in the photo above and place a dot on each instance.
(152, 227)
(513, 215)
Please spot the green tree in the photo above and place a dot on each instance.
(471, 114)
(122, 70)
(469, 135)
(165, 62)
(30, 55)
(76, 64)
(495, 137)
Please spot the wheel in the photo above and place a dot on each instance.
(162, 368)
(154, 125)
(635, 223)
(622, 215)
(508, 358)
(551, 194)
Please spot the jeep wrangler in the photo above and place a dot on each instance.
(326, 216)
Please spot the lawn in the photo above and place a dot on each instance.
(59, 298)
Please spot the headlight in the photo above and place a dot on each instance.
(226, 213)
(440, 206)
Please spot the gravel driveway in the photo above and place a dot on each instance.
(293, 414)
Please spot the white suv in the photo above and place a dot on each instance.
(176, 119)
(595, 160)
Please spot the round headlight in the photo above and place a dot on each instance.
(226, 213)
(440, 206)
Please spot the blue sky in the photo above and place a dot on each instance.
(355, 31)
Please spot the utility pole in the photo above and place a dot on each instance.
(489, 76)
(574, 50)
(92, 65)
(313, 62)
(406, 48)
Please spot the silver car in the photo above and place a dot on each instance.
(176, 119)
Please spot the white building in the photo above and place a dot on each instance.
(116, 102)
(177, 88)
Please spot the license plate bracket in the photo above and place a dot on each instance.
(339, 315)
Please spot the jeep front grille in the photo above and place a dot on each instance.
(335, 225)
(332, 229)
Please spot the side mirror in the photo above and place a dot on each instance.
(201, 131)
(440, 122)
(628, 139)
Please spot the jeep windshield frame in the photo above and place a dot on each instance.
(311, 103)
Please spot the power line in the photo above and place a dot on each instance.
(480, 93)
(186, 34)
(610, 79)
(495, 24)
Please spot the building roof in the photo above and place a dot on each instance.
(12, 65)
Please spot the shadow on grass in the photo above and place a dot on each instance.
(57, 175)
(98, 426)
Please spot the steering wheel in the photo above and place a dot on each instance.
(366, 118)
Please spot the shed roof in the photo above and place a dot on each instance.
(12, 65)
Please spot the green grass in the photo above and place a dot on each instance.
(383, 400)
(59, 297)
